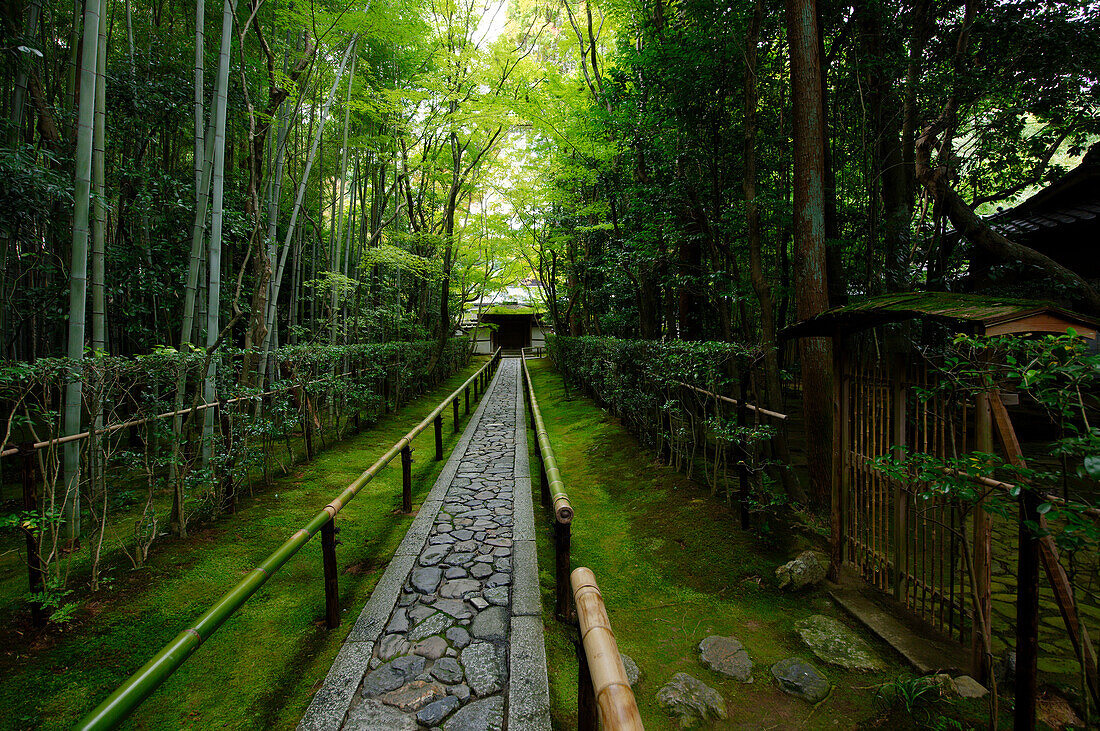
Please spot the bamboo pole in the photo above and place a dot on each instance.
(735, 402)
(618, 709)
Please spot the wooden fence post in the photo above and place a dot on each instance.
(544, 481)
(466, 397)
(439, 437)
(229, 501)
(562, 589)
(332, 588)
(406, 480)
(30, 507)
(307, 422)
(743, 468)
(454, 409)
(587, 710)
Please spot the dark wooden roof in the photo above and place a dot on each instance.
(975, 313)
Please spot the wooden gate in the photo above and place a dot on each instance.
(897, 538)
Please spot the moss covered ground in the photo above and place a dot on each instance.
(260, 669)
(674, 567)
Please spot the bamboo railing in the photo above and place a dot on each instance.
(603, 689)
(603, 680)
(150, 676)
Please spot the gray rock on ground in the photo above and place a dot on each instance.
(801, 679)
(805, 570)
(691, 701)
(633, 673)
(835, 644)
(726, 655)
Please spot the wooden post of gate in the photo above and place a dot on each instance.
(454, 409)
(563, 591)
(332, 588)
(406, 479)
(899, 394)
(438, 437)
(30, 508)
(587, 709)
(841, 439)
(983, 546)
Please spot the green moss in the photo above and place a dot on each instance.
(673, 567)
(260, 669)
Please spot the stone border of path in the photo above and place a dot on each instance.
(528, 685)
(528, 688)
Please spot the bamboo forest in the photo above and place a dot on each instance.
(516, 365)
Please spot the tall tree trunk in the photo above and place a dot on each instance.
(78, 270)
(761, 286)
(810, 274)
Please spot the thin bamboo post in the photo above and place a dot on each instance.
(1027, 613)
(983, 542)
(618, 710)
(332, 588)
(899, 397)
(562, 536)
(466, 397)
(30, 507)
(454, 409)
(439, 437)
(406, 480)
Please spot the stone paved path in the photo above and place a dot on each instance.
(452, 636)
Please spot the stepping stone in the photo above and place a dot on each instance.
(413, 696)
(480, 570)
(425, 579)
(497, 595)
(726, 655)
(432, 647)
(454, 572)
(433, 625)
(801, 679)
(371, 715)
(454, 607)
(835, 644)
(419, 613)
(458, 588)
(458, 636)
(447, 670)
(498, 580)
(433, 713)
(391, 646)
(392, 675)
(484, 715)
(433, 555)
(691, 701)
(490, 624)
(484, 669)
(399, 623)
